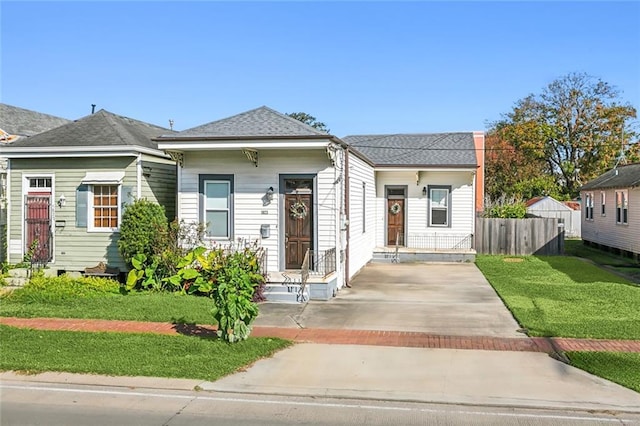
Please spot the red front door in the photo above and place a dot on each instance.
(38, 228)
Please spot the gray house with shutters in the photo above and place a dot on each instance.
(69, 186)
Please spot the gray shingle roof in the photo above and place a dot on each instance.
(420, 150)
(621, 177)
(100, 129)
(23, 122)
(259, 122)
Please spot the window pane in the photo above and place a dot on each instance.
(438, 217)
(439, 197)
(217, 223)
(217, 195)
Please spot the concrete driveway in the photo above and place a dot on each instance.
(448, 299)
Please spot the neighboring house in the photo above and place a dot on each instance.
(68, 187)
(611, 210)
(568, 211)
(426, 196)
(15, 124)
(261, 175)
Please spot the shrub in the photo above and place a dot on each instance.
(143, 227)
(507, 210)
(231, 277)
(52, 289)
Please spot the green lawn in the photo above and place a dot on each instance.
(619, 367)
(120, 354)
(146, 306)
(601, 257)
(565, 296)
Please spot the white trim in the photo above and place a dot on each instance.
(103, 178)
(138, 177)
(85, 151)
(90, 209)
(25, 191)
(228, 209)
(253, 144)
(424, 169)
(8, 207)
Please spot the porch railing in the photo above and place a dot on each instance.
(439, 241)
(322, 262)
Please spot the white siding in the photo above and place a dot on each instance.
(417, 219)
(250, 186)
(604, 229)
(361, 241)
(550, 207)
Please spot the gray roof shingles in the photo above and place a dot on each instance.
(418, 150)
(627, 176)
(259, 122)
(100, 129)
(23, 122)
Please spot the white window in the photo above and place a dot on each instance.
(104, 208)
(588, 206)
(439, 206)
(622, 207)
(603, 198)
(216, 211)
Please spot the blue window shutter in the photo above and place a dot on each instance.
(82, 208)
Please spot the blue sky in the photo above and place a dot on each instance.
(360, 67)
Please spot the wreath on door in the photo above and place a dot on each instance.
(298, 210)
(395, 208)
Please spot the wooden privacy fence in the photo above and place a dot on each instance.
(543, 236)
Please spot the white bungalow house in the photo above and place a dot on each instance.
(611, 210)
(261, 175)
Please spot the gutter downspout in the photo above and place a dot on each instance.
(139, 177)
(346, 217)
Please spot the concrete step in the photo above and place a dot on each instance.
(19, 272)
(277, 292)
(16, 281)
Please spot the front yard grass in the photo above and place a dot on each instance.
(565, 296)
(120, 354)
(135, 306)
(619, 367)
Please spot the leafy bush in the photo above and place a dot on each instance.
(231, 277)
(52, 289)
(512, 210)
(144, 226)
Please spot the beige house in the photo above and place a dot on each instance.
(611, 210)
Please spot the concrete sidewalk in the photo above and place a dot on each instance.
(450, 376)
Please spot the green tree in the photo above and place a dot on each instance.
(309, 120)
(578, 127)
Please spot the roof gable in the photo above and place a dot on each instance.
(259, 122)
(96, 130)
(417, 150)
(23, 122)
(627, 176)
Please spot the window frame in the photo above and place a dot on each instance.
(622, 207)
(203, 179)
(588, 206)
(603, 203)
(430, 208)
(91, 208)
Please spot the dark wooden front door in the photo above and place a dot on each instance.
(298, 228)
(395, 221)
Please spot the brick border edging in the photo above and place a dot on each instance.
(551, 345)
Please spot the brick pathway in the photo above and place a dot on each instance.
(353, 337)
